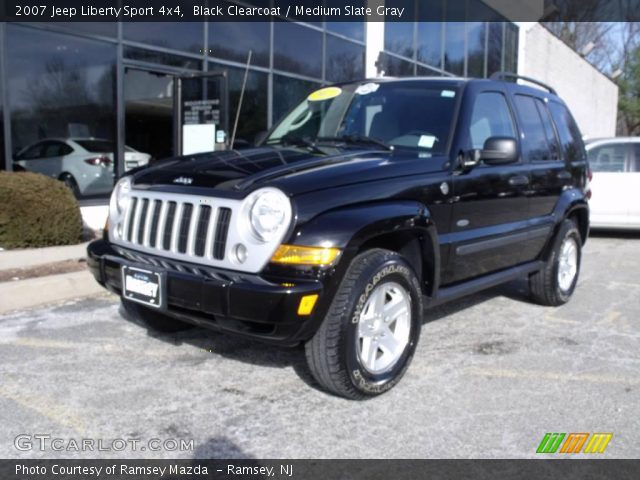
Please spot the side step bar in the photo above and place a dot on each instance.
(446, 294)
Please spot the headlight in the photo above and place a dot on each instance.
(269, 214)
(120, 196)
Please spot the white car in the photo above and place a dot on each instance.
(85, 165)
(615, 187)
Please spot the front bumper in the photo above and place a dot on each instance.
(243, 304)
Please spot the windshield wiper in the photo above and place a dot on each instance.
(300, 142)
(356, 139)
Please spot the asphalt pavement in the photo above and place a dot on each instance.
(492, 375)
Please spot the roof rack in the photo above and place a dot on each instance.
(515, 76)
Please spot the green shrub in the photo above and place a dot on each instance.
(37, 211)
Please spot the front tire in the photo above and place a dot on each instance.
(153, 319)
(368, 337)
(554, 284)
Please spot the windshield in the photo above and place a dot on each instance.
(410, 114)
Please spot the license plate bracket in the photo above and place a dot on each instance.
(143, 286)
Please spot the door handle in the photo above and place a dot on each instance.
(519, 180)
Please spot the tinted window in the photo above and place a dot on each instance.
(32, 152)
(55, 149)
(608, 158)
(297, 49)
(96, 146)
(490, 118)
(570, 137)
(535, 145)
(549, 133)
(345, 60)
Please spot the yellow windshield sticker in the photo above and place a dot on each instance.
(324, 94)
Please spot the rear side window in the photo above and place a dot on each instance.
(490, 118)
(608, 158)
(537, 144)
(570, 138)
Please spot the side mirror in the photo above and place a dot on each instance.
(499, 151)
(260, 137)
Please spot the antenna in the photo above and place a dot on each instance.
(244, 84)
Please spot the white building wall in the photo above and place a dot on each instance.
(591, 96)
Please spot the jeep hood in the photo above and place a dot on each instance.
(293, 170)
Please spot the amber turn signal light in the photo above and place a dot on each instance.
(306, 304)
(295, 255)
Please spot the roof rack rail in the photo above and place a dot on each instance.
(515, 76)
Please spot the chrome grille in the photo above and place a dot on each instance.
(197, 229)
(179, 227)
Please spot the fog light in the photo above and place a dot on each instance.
(306, 304)
(241, 253)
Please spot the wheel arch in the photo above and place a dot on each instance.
(404, 227)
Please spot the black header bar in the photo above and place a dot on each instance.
(318, 10)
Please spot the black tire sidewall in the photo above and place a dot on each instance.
(393, 270)
(568, 230)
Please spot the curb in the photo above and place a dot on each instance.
(33, 257)
(35, 292)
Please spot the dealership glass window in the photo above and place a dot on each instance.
(397, 67)
(253, 115)
(233, 40)
(476, 38)
(59, 86)
(511, 48)
(430, 43)
(454, 47)
(106, 29)
(288, 92)
(344, 60)
(353, 30)
(398, 38)
(162, 58)
(297, 49)
(494, 50)
(187, 36)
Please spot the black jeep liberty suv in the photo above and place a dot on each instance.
(366, 204)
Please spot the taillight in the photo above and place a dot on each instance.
(99, 161)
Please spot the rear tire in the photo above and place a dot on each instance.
(71, 184)
(554, 284)
(153, 319)
(368, 337)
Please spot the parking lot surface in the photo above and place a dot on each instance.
(492, 374)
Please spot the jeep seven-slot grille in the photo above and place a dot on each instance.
(180, 227)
